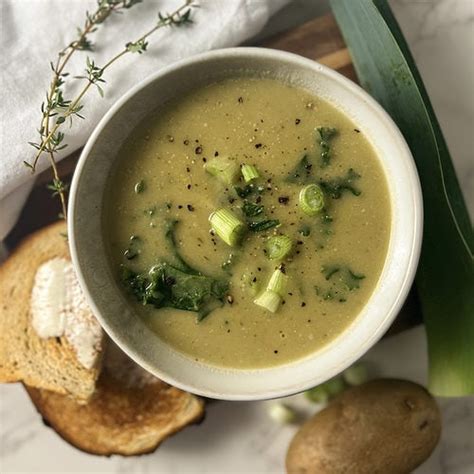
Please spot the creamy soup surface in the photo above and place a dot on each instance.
(162, 193)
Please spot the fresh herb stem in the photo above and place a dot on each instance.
(54, 99)
(56, 106)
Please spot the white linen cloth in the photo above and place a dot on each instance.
(32, 33)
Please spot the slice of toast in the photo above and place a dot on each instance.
(131, 412)
(57, 362)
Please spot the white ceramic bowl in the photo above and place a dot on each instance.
(109, 302)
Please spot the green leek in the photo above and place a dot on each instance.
(278, 282)
(249, 173)
(311, 199)
(278, 247)
(223, 169)
(227, 226)
(445, 277)
(269, 300)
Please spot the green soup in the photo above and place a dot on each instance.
(184, 163)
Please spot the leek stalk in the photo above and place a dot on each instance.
(445, 277)
(269, 300)
(278, 247)
(227, 226)
(311, 199)
(223, 169)
(249, 173)
(277, 282)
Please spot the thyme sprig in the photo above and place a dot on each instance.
(55, 103)
(56, 110)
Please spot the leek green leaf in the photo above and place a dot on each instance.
(445, 277)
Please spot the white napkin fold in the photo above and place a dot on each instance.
(32, 33)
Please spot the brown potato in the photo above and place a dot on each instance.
(385, 426)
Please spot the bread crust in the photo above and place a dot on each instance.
(44, 363)
(118, 419)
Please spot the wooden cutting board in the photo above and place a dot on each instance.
(318, 39)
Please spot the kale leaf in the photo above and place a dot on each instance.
(263, 225)
(335, 187)
(325, 135)
(167, 286)
(301, 173)
(251, 210)
(170, 238)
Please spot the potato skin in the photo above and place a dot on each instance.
(385, 426)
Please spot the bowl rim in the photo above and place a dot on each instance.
(414, 252)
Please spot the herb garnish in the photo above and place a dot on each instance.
(263, 225)
(181, 264)
(329, 271)
(343, 279)
(301, 173)
(352, 279)
(251, 210)
(167, 286)
(325, 135)
(335, 187)
(248, 190)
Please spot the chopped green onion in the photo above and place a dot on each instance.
(278, 282)
(223, 168)
(281, 413)
(269, 300)
(356, 374)
(311, 199)
(249, 173)
(227, 226)
(278, 247)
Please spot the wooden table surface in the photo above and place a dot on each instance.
(318, 39)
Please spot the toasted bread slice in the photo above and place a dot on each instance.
(56, 361)
(131, 412)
